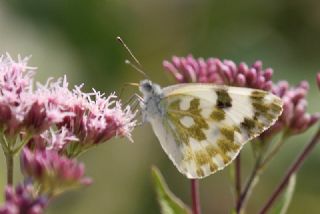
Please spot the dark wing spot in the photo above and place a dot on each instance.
(218, 114)
(248, 124)
(223, 99)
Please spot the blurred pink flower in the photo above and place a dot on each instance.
(213, 70)
(23, 199)
(294, 118)
(318, 79)
(54, 173)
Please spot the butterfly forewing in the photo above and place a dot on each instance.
(205, 126)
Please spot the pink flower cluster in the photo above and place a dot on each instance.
(53, 172)
(22, 200)
(294, 118)
(15, 83)
(91, 116)
(213, 70)
(57, 124)
(86, 118)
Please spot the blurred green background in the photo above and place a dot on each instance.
(77, 38)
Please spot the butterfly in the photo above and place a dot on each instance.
(202, 127)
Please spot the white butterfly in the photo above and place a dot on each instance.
(202, 127)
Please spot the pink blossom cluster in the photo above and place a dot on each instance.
(22, 200)
(91, 116)
(15, 84)
(57, 124)
(53, 172)
(294, 118)
(86, 118)
(213, 70)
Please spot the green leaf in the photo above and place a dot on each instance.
(169, 203)
(283, 205)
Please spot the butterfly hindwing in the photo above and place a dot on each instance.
(205, 126)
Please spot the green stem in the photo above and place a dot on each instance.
(9, 162)
(273, 152)
(238, 177)
(249, 186)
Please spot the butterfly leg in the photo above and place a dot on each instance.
(135, 101)
(125, 86)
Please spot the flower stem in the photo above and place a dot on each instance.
(238, 176)
(273, 152)
(292, 169)
(249, 185)
(196, 207)
(9, 162)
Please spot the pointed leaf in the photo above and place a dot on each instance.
(169, 203)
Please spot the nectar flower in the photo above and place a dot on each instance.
(23, 199)
(85, 118)
(21, 108)
(53, 172)
(52, 140)
(213, 70)
(294, 118)
(96, 119)
(15, 82)
(47, 105)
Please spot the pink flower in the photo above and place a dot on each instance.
(23, 199)
(15, 82)
(52, 140)
(96, 119)
(23, 109)
(213, 70)
(53, 172)
(294, 118)
(92, 118)
(318, 79)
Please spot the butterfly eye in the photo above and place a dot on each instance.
(147, 86)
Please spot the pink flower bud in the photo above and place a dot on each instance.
(56, 173)
(219, 71)
(294, 116)
(23, 199)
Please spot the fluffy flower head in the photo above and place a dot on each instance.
(23, 199)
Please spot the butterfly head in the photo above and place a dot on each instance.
(149, 88)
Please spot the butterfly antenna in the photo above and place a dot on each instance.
(128, 49)
(137, 67)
